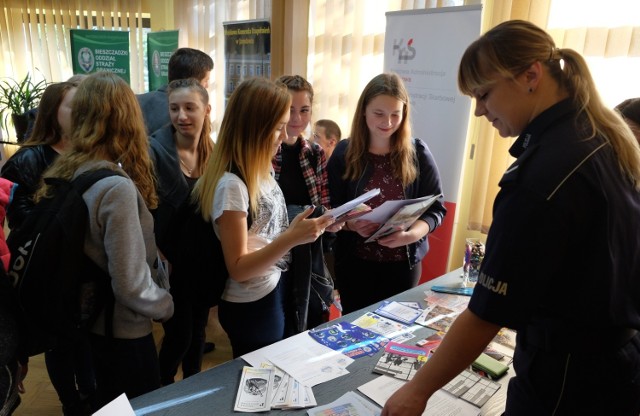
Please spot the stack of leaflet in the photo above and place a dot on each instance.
(268, 387)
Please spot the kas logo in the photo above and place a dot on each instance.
(405, 53)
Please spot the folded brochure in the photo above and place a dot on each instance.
(339, 213)
(403, 218)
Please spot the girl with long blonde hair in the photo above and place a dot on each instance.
(240, 197)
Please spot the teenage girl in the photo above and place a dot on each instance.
(239, 195)
(381, 153)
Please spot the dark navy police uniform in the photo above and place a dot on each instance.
(562, 267)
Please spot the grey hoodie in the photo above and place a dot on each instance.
(120, 240)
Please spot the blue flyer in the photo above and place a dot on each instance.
(349, 339)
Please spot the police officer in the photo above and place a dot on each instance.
(561, 264)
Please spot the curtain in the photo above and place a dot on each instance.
(34, 35)
(201, 27)
(346, 50)
(613, 55)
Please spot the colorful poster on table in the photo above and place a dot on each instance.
(160, 46)
(424, 47)
(100, 50)
(247, 52)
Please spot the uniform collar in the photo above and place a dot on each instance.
(532, 133)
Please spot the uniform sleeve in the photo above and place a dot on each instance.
(525, 251)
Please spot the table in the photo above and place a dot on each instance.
(212, 392)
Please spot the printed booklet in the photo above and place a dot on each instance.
(403, 218)
(403, 361)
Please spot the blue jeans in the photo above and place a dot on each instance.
(253, 325)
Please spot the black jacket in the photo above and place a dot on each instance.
(173, 189)
(426, 183)
(155, 109)
(25, 168)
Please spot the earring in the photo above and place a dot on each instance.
(530, 90)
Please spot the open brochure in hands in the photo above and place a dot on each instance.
(353, 208)
(403, 218)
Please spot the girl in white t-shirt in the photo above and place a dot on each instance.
(238, 194)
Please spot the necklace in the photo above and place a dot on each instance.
(185, 166)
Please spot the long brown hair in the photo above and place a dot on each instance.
(403, 154)
(107, 125)
(205, 144)
(47, 129)
(511, 47)
(245, 140)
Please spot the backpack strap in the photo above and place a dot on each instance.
(85, 180)
(81, 184)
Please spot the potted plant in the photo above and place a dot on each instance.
(16, 98)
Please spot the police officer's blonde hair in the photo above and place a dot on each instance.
(512, 47)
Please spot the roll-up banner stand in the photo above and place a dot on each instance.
(160, 46)
(424, 47)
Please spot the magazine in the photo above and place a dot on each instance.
(403, 218)
(437, 317)
(402, 361)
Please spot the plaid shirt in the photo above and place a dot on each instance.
(314, 176)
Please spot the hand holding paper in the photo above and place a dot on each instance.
(353, 207)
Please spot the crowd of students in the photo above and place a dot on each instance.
(263, 188)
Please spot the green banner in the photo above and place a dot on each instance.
(100, 50)
(160, 46)
(247, 51)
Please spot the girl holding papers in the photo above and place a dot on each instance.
(381, 153)
(239, 195)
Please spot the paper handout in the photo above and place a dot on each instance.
(403, 218)
(254, 391)
(344, 210)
